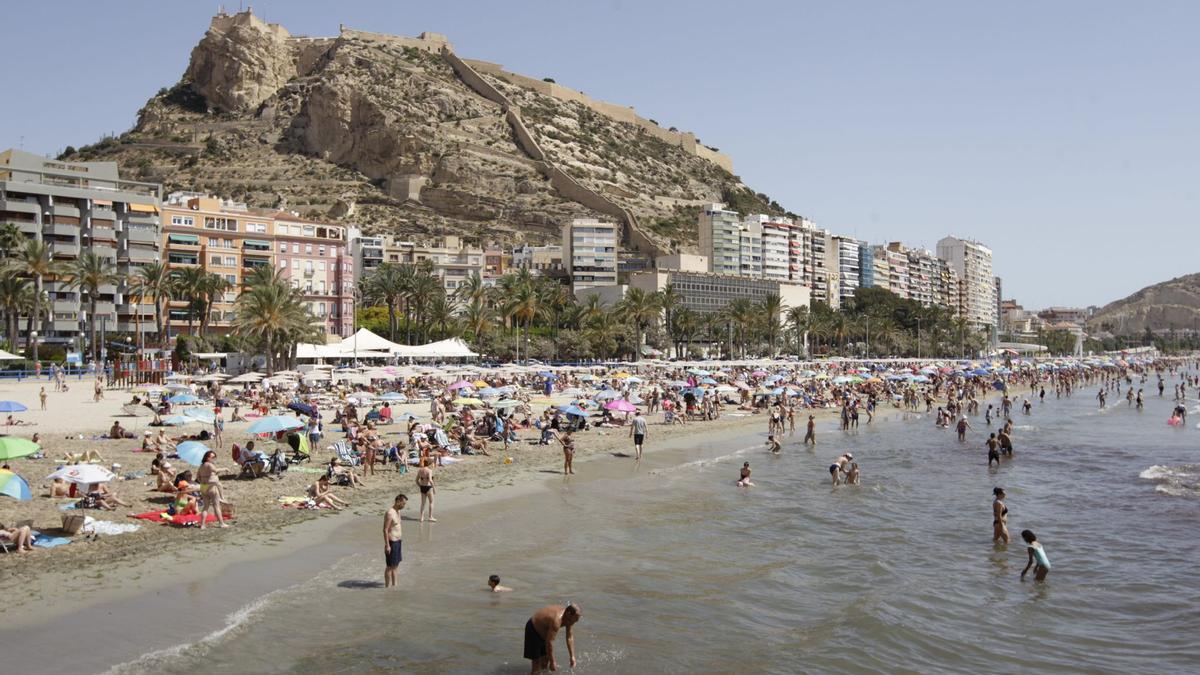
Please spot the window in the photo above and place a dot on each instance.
(333, 251)
(308, 249)
(295, 248)
(183, 220)
(283, 247)
(256, 227)
(296, 264)
(321, 249)
(230, 261)
(216, 260)
(228, 224)
(231, 278)
(282, 264)
(321, 266)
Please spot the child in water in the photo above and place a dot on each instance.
(852, 474)
(744, 479)
(1037, 557)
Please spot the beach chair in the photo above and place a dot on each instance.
(346, 453)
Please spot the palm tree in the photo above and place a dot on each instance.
(89, 274)
(423, 292)
(471, 290)
(686, 325)
(154, 281)
(441, 315)
(272, 311)
(523, 306)
(187, 284)
(797, 322)
(671, 300)
(210, 288)
(35, 259)
(741, 315)
(771, 307)
(477, 316)
(640, 309)
(33, 304)
(592, 311)
(11, 238)
(12, 292)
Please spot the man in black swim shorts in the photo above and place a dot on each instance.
(542, 628)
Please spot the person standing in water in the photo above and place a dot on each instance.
(425, 483)
(568, 446)
(638, 431)
(993, 446)
(1037, 557)
(810, 435)
(839, 467)
(542, 628)
(999, 516)
(963, 425)
(392, 552)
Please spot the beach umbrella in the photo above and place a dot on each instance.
(488, 392)
(621, 405)
(393, 396)
(633, 379)
(178, 420)
(622, 375)
(573, 391)
(14, 486)
(506, 403)
(201, 415)
(606, 395)
(192, 452)
(83, 474)
(708, 380)
(184, 398)
(273, 423)
(12, 406)
(759, 373)
(467, 401)
(302, 408)
(548, 375)
(573, 410)
(12, 447)
(461, 384)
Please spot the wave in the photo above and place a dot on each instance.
(1176, 481)
(156, 660)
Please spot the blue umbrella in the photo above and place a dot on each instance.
(192, 452)
(14, 486)
(302, 408)
(269, 425)
(548, 375)
(393, 396)
(607, 394)
(487, 392)
(12, 406)
(177, 420)
(574, 410)
(183, 398)
(708, 380)
(200, 415)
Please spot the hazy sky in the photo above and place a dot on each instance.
(1064, 135)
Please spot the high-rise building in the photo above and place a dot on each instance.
(896, 259)
(314, 258)
(972, 261)
(78, 207)
(845, 268)
(720, 235)
(590, 253)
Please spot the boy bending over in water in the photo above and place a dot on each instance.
(1037, 557)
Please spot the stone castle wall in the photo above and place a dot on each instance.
(683, 139)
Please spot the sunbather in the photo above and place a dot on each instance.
(85, 457)
(21, 536)
(321, 495)
(59, 488)
(342, 474)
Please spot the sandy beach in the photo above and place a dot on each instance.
(125, 560)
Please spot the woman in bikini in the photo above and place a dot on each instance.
(999, 517)
(210, 489)
(568, 446)
(425, 483)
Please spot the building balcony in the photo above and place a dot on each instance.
(65, 326)
(104, 251)
(140, 255)
(141, 235)
(64, 248)
(134, 326)
(20, 206)
(27, 227)
(61, 230)
(66, 211)
(103, 213)
(136, 218)
(66, 305)
(100, 233)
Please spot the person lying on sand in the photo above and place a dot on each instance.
(85, 457)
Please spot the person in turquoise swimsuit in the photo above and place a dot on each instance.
(1037, 557)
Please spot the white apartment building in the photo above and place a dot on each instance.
(750, 258)
(721, 239)
(590, 252)
(843, 261)
(774, 244)
(972, 262)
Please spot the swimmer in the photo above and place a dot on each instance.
(773, 445)
(744, 477)
(852, 474)
(1037, 557)
(494, 585)
(999, 517)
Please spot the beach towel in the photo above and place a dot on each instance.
(46, 541)
(109, 528)
(193, 520)
(306, 469)
(153, 516)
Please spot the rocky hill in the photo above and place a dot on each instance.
(1170, 305)
(399, 135)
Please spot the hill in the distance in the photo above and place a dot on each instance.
(398, 135)
(1170, 305)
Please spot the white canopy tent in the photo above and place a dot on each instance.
(453, 348)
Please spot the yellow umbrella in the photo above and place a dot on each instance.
(622, 375)
(479, 384)
(467, 401)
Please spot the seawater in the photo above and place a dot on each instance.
(679, 571)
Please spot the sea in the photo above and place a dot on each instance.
(677, 570)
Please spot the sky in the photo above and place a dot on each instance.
(1064, 135)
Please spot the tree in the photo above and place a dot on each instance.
(35, 259)
(670, 299)
(12, 291)
(209, 289)
(187, 284)
(771, 307)
(154, 281)
(89, 273)
(270, 310)
(797, 322)
(640, 309)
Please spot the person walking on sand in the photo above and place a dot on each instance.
(810, 434)
(425, 483)
(568, 446)
(392, 531)
(42, 397)
(210, 489)
(542, 628)
(638, 431)
(1037, 557)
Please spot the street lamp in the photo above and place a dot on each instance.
(33, 336)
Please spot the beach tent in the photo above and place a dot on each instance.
(453, 348)
(5, 356)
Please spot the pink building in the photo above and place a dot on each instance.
(316, 259)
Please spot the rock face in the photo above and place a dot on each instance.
(1170, 305)
(379, 131)
(241, 62)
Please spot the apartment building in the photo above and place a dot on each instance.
(452, 259)
(972, 262)
(894, 260)
(367, 251)
(77, 207)
(590, 253)
(315, 258)
(845, 269)
(227, 238)
(539, 260)
(881, 272)
(720, 239)
(496, 263)
(707, 293)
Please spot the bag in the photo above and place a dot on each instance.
(72, 523)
